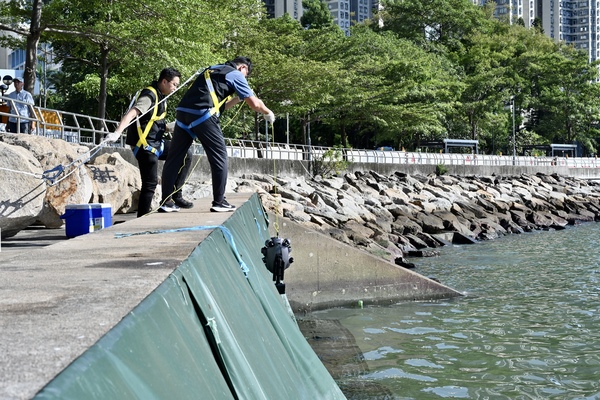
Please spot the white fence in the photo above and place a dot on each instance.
(78, 128)
(71, 127)
(281, 151)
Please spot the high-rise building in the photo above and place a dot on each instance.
(277, 8)
(340, 11)
(344, 12)
(515, 10)
(361, 10)
(575, 22)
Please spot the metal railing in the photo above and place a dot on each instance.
(71, 127)
(84, 129)
(282, 151)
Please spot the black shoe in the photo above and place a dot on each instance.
(169, 206)
(223, 206)
(183, 203)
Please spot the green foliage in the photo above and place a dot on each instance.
(328, 163)
(435, 69)
(441, 169)
(316, 14)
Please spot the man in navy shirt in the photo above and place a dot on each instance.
(218, 87)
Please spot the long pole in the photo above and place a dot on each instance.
(266, 139)
(309, 144)
(514, 131)
(287, 128)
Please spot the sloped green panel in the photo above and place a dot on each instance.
(215, 329)
(157, 352)
(263, 350)
(314, 374)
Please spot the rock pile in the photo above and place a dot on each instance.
(390, 216)
(29, 197)
(402, 215)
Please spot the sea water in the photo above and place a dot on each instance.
(527, 327)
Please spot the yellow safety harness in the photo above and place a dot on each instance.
(204, 114)
(142, 143)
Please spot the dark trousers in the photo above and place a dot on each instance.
(210, 135)
(23, 128)
(148, 164)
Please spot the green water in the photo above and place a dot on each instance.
(528, 326)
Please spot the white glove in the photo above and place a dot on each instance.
(270, 117)
(112, 137)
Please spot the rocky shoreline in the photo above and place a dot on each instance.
(404, 215)
(391, 216)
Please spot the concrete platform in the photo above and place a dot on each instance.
(57, 300)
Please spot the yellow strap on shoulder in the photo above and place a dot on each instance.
(213, 95)
(143, 134)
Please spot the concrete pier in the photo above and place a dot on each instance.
(57, 301)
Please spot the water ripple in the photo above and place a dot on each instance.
(527, 330)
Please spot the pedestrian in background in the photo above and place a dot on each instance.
(20, 125)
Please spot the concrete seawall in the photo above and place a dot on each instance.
(292, 168)
(327, 273)
(166, 310)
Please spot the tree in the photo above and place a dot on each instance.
(286, 76)
(568, 96)
(14, 16)
(394, 90)
(316, 14)
(437, 25)
(124, 42)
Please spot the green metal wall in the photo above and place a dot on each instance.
(210, 331)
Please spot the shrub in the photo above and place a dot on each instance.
(328, 163)
(440, 169)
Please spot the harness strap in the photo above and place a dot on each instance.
(149, 148)
(204, 114)
(142, 143)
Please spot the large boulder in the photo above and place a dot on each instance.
(61, 161)
(64, 175)
(118, 182)
(21, 189)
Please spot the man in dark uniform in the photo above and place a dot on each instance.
(218, 87)
(145, 137)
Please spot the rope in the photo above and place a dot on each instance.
(37, 175)
(51, 175)
(59, 169)
(135, 120)
(226, 232)
(275, 194)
